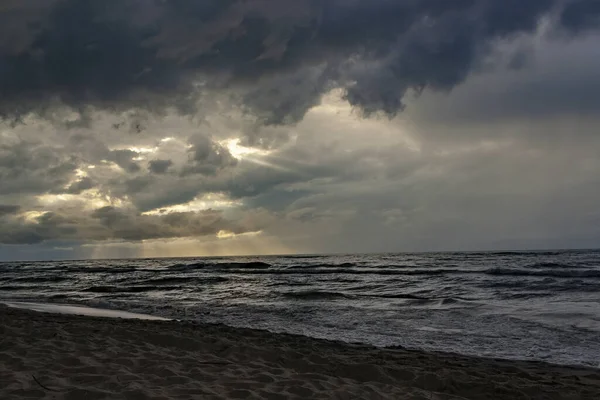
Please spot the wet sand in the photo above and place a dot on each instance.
(58, 356)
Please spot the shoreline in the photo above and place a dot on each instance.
(81, 310)
(93, 311)
(74, 356)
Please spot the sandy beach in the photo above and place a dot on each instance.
(53, 356)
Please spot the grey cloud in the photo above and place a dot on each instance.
(341, 183)
(110, 223)
(550, 88)
(32, 167)
(159, 166)
(138, 184)
(119, 55)
(207, 157)
(124, 159)
(8, 209)
(81, 185)
(164, 193)
(207, 172)
(581, 15)
(518, 197)
(285, 99)
(355, 188)
(22, 19)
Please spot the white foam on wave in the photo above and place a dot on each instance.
(78, 310)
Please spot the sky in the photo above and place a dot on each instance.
(164, 128)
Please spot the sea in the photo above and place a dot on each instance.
(542, 305)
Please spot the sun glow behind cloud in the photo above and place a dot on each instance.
(90, 199)
(242, 152)
(253, 155)
(210, 201)
(254, 243)
(230, 235)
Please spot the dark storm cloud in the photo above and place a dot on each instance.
(123, 54)
(581, 15)
(560, 82)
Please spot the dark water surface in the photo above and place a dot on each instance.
(522, 305)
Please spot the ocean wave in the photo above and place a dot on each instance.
(341, 265)
(570, 273)
(171, 280)
(535, 288)
(38, 279)
(524, 253)
(129, 289)
(525, 295)
(7, 266)
(551, 265)
(406, 296)
(243, 265)
(548, 270)
(452, 300)
(183, 267)
(413, 299)
(11, 288)
(223, 266)
(552, 273)
(513, 253)
(95, 270)
(315, 295)
(291, 284)
(342, 271)
(301, 257)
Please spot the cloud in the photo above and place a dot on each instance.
(551, 87)
(172, 120)
(80, 186)
(159, 166)
(8, 209)
(207, 157)
(117, 224)
(274, 58)
(124, 159)
(30, 167)
(581, 15)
